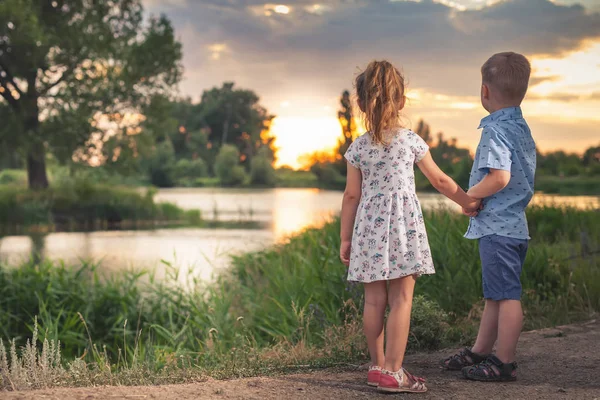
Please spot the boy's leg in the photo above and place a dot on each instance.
(502, 262)
(510, 318)
(488, 329)
(509, 330)
(374, 314)
(400, 296)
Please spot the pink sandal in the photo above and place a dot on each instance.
(400, 382)
(373, 376)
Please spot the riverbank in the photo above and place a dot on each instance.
(83, 206)
(571, 348)
(281, 308)
(587, 185)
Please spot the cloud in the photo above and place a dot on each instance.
(536, 80)
(314, 55)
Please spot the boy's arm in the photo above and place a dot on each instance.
(492, 183)
(494, 156)
(349, 206)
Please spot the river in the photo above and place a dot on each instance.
(202, 252)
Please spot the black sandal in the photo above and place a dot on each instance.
(491, 370)
(462, 359)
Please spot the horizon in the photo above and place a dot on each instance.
(299, 56)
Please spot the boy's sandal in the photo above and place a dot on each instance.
(373, 376)
(401, 382)
(491, 370)
(462, 359)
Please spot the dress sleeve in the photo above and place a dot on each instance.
(418, 146)
(494, 150)
(353, 155)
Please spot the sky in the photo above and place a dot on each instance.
(299, 55)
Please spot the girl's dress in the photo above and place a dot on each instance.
(389, 239)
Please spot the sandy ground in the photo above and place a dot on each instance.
(558, 363)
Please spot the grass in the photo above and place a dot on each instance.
(280, 309)
(575, 185)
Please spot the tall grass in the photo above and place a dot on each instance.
(285, 306)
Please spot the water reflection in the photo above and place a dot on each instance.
(287, 211)
(203, 251)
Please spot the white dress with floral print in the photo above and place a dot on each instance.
(389, 239)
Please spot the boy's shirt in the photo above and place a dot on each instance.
(506, 144)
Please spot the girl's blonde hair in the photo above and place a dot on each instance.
(380, 92)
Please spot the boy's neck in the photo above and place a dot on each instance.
(499, 107)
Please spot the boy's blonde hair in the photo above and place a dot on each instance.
(380, 91)
(508, 73)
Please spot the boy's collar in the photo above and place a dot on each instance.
(501, 115)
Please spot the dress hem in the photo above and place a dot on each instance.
(418, 274)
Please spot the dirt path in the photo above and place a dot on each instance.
(560, 363)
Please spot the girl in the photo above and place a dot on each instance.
(384, 241)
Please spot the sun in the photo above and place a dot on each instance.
(298, 136)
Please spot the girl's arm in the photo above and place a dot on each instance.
(349, 206)
(446, 185)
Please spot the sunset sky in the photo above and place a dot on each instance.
(299, 55)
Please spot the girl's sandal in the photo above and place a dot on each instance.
(373, 376)
(462, 359)
(400, 382)
(491, 370)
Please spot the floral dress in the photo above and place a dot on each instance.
(389, 239)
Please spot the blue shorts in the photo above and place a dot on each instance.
(502, 260)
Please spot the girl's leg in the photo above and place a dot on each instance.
(374, 313)
(400, 296)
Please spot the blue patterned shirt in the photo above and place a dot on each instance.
(506, 144)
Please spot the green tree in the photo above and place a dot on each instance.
(68, 67)
(228, 168)
(190, 133)
(591, 159)
(234, 116)
(560, 163)
(261, 168)
(160, 165)
(190, 168)
(424, 131)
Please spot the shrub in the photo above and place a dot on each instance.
(228, 168)
(261, 169)
(13, 177)
(161, 165)
(428, 325)
(190, 169)
(79, 201)
(328, 175)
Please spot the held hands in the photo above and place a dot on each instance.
(345, 253)
(473, 208)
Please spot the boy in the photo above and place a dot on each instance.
(502, 175)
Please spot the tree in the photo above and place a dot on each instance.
(234, 116)
(349, 133)
(160, 165)
(424, 131)
(346, 118)
(591, 157)
(190, 133)
(228, 168)
(71, 70)
(261, 168)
